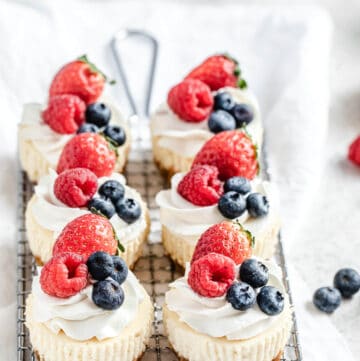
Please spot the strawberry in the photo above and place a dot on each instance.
(81, 78)
(75, 187)
(232, 152)
(64, 275)
(354, 151)
(191, 100)
(64, 113)
(217, 72)
(85, 235)
(201, 186)
(212, 275)
(88, 150)
(227, 238)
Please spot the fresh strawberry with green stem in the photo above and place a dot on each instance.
(87, 234)
(64, 113)
(88, 150)
(81, 78)
(228, 238)
(219, 71)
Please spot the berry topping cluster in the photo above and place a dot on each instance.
(76, 188)
(227, 114)
(346, 284)
(213, 270)
(193, 101)
(237, 199)
(68, 273)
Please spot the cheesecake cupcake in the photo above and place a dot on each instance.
(75, 105)
(60, 199)
(211, 99)
(88, 310)
(224, 311)
(226, 190)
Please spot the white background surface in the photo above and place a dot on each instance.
(329, 237)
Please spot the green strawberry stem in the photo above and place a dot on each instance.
(249, 235)
(95, 69)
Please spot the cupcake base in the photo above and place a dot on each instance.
(36, 165)
(128, 346)
(181, 248)
(42, 240)
(168, 161)
(190, 345)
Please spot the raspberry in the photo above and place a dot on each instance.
(226, 238)
(64, 113)
(80, 78)
(217, 72)
(75, 187)
(85, 235)
(64, 275)
(232, 152)
(88, 150)
(191, 100)
(201, 186)
(212, 275)
(354, 151)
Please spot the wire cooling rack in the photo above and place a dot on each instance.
(154, 268)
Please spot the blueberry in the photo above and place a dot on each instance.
(232, 205)
(88, 128)
(103, 206)
(241, 296)
(237, 184)
(120, 270)
(128, 210)
(108, 294)
(255, 273)
(243, 114)
(112, 190)
(100, 265)
(220, 120)
(116, 134)
(98, 114)
(270, 300)
(223, 101)
(327, 299)
(257, 205)
(347, 281)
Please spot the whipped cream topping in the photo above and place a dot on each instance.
(53, 215)
(215, 316)
(49, 143)
(79, 318)
(187, 138)
(187, 219)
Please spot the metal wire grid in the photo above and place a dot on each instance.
(154, 268)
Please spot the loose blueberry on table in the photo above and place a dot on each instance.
(327, 299)
(347, 281)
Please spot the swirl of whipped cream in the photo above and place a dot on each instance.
(53, 215)
(185, 218)
(49, 143)
(215, 316)
(187, 138)
(79, 318)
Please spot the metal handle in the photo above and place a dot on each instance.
(121, 35)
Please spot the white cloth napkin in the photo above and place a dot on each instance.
(284, 55)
